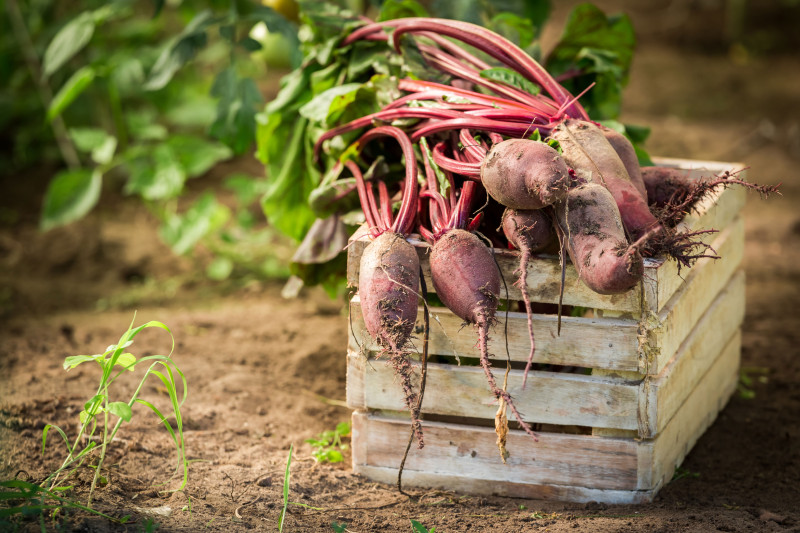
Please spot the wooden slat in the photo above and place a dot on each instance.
(667, 330)
(471, 452)
(694, 416)
(549, 397)
(564, 467)
(501, 487)
(586, 342)
(544, 272)
(664, 395)
(719, 213)
(698, 168)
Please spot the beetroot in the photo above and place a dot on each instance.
(388, 279)
(524, 174)
(627, 154)
(467, 280)
(664, 184)
(595, 240)
(589, 154)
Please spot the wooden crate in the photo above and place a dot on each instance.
(654, 367)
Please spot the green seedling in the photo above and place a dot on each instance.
(681, 473)
(339, 528)
(328, 446)
(99, 410)
(285, 489)
(419, 528)
(745, 385)
(100, 421)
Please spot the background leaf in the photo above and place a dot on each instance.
(70, 195)
(180, 51)
(71, 89)
(68, 41)
(197, 155)
(595, 48)
(238, 102)
(182, 232)
(159, 178)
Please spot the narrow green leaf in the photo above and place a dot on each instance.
(286, 488)
(70, 195)
(441, 177)
(512, 78)
(91, 405)
(60, 432)
(71, 89)
(68, 42)
(121, 409)
(419, 528)
(72, 361)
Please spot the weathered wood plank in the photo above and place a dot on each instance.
(356, 394)
(586, 342)
(471, 452)
(549, 397)
(666, 393)
(501, 487)
(698, 168)
(718, 215)
(696, 414)
(667, 330)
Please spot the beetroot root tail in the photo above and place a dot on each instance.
(483, 341)
(525, 255)
(401, 364)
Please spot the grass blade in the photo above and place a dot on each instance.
(60, 432)
(285, 489)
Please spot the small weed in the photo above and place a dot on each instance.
(539, 515)
(285, 489)
(328, 446)
(97, 416)
(744, 387)
(339, 528)
(522, 507)
(149, 526)
(681, 473)
(419, 528)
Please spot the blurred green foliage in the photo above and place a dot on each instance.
(142, 97)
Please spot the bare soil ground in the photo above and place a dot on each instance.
(262, 370)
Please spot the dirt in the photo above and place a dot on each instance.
(266, 373)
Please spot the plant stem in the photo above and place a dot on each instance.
(117, 115)
(103, 447)
(65, 146)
